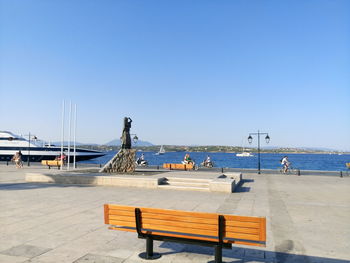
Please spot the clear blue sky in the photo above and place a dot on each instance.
(186, 72)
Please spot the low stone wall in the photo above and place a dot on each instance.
(138, 181)
(224, 183)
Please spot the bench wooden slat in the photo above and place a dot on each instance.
(178, 218)
(121, 208)
(157, 211)
(233, 218)
(183, 230)
(122, 218)
(122, 213)
(122, 229)
(263, 229)
(197, 226)
(242, 236)
(243, 224)
(243, 230)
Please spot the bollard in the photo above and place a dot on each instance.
(157, 167)
(298, 172)
(341, 173)
(100, 166)
(222, 169)
(7, 163)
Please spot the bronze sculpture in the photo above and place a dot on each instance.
(126, 139)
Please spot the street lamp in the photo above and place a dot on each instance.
(250, 140)
(135, 138)
(30, 136)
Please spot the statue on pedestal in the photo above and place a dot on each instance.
(126, 139)
(124, 160)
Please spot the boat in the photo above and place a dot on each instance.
(161, 150)
(37, 150)
(244, 154)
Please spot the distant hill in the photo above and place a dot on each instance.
(117, 142)
(65, 143)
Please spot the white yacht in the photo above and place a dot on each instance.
(244, 154)
(37, 150)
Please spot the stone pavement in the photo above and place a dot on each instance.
(308, 220)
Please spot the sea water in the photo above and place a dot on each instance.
(324, 162)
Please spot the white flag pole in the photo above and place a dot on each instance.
(75, 135)
(69, 133)
(62, 134)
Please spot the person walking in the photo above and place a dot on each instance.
(17, 158)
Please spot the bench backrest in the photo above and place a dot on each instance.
(200, 226)
(178, 166)
(51, 162)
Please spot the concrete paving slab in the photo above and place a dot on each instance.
(67, 219)
(91, 258)
(27, 251)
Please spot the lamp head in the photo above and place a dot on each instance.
(250, 139)
(267, 138)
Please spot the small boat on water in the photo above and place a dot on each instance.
(37, 150)
(161, 150)
(244, 154)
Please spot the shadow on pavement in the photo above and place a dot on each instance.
(30, 186)
(248, 254)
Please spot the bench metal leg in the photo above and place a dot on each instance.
(149, 250)
(218, 254)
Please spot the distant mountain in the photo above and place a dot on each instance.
(117, 142)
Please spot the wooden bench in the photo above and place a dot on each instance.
(178, 166)
(208, 229)
(50, 163)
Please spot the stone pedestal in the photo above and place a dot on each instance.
(122, 162)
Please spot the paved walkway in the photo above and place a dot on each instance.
(308, 220)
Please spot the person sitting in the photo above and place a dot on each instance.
(141, 160)
(207, 162)
(187, 159)
(62, 157)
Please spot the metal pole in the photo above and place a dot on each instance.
(28, 162)
(62, 134)
(258, 152)
(75, 137)
(69, 133)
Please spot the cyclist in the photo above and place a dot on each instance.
(285, 162)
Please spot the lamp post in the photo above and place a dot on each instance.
(250, 139)
(29, 141)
